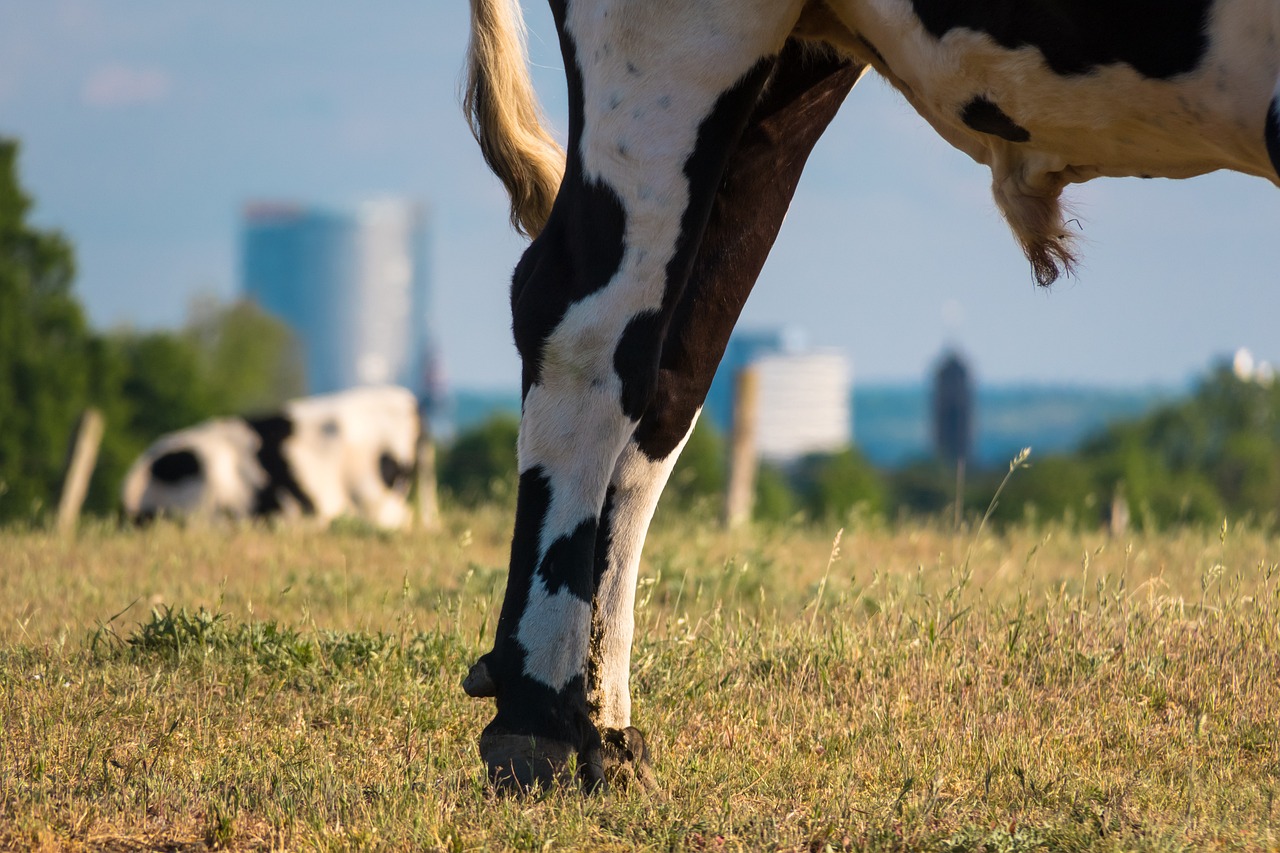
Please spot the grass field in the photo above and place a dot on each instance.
(913, 688)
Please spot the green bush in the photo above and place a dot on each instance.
(480, 466)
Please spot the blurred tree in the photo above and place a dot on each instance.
(776, 501)
(52, 366)
(1247, 474)
(831, 485)
(164, 383)
(481, 465)
(251, 361)
(45, 352)
(925, 487)
(1051, 488)
(700, 474)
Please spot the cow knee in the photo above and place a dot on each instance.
(595, 345)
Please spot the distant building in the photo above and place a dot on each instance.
(803, 394)
(953, 409)
(744, 348)
(354, 287)
(804, 404)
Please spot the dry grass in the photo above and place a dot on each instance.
(1035, 689)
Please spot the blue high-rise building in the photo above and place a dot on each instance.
(354, 287)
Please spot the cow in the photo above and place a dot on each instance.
(690, 122)
(350, 453)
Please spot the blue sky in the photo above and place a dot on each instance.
(146, 125)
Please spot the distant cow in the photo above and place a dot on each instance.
(689, 124)
(349, 453)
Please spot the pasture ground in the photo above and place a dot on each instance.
(1033, 689)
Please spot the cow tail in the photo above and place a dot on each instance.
(505, 115)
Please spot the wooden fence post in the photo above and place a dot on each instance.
(741, 492)
(81, 457)
(428, 499)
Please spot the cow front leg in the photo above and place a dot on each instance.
(804, 92)
(651, 127)
(638, 479)
(542, 732)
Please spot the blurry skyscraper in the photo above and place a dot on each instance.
(353, 285)
(953, 409)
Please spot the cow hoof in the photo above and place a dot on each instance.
(626, 759)
(479, 683)
(522, 764)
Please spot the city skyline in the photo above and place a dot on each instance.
(145, 133)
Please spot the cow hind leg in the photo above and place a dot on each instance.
(650, 128)
(803, 93)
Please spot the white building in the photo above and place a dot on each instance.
(803, 404)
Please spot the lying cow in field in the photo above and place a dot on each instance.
(689, 124)
(349, 453)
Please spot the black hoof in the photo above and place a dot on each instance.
(626, 759)
(523, 764)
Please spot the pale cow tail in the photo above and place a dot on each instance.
(505, 115)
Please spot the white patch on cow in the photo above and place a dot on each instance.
(554, 631)
(1112, 121)
(638, 482)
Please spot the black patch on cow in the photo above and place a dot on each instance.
(1273, 134)
(718, 135)
(330, 429)
(636, 361)
(526, 706)
(603, 534)
(1158, 38)
(580, 248)
(803, 94)
(175, 465)
(273, 432)
(533, 500)
(568, 562)
(639, 351)
(985, 116)
(391, 471)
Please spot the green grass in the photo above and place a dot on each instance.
(1032, 689)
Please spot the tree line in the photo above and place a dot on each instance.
(1213, 455)
(53, 365)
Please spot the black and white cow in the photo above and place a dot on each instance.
(349, 453)
(689, 124)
